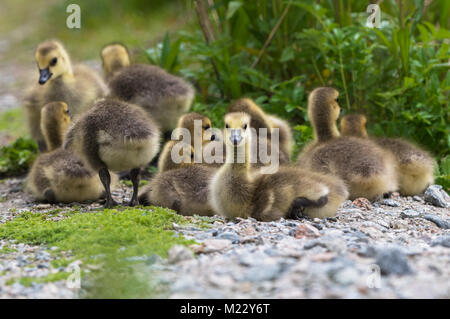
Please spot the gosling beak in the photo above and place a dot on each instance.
(213, 137)
(44, 75)
(235, 137)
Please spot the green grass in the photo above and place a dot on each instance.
(134, 23)
(105, 237)
(13, 122)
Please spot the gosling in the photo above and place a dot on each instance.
(164, 96)
(117, 136)
(78, 86)
(414, 165)
(114, 57)
(367, 169)
(261, 120)
(185, 190)
(60, 175)
(237, 190)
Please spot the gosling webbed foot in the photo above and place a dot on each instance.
(110, 203)
(50, 196)
(133, 202)
(299, 205)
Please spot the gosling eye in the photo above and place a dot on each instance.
(226, 126)
(53, 61)
(245, 126)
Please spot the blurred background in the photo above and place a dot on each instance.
(274, 51)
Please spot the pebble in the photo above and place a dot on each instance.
(441, 241)
(409, 213)
(179, 253)
(392, 261)
(230, 236)
(436, 196)
(390, 202)
(306, 231)
(438, 221)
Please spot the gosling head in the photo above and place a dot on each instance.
(114, 57)
(187, 121)
(55, 120)
(237, 129)
(354, 125)
(52, 60)
(248, 106)
(323, 112)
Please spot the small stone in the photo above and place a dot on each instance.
(438, 221)
(418, 199)
(212, 245)
(323, 257)
(436, 196)
(261, 272)
(179, 253)
(441, 241)
(345, 276)
(392, 261)
(362, 203)
(390, 202)
(306, 231)
(230, 236)
(42, 255)
(409, 213)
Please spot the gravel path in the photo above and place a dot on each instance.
(392, 248)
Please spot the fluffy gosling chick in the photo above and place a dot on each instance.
(183, 152)
(117, 136)
(164, 96)
(114, 57)
(78, 86)
(60, 175)
(415, 166)
(367, 170)
(55, 120)
(185, 190)
(259, 120)
(200, 138)
(237, 190)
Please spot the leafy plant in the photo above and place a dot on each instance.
(16, 158)
(276, 52)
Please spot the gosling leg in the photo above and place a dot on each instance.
(103, 173)
(135, 177)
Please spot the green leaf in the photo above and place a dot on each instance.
(233, 6)
(288, 54)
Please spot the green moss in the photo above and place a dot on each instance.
(28, 281)
(119, 232)
(6, 250)
(105, 237)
